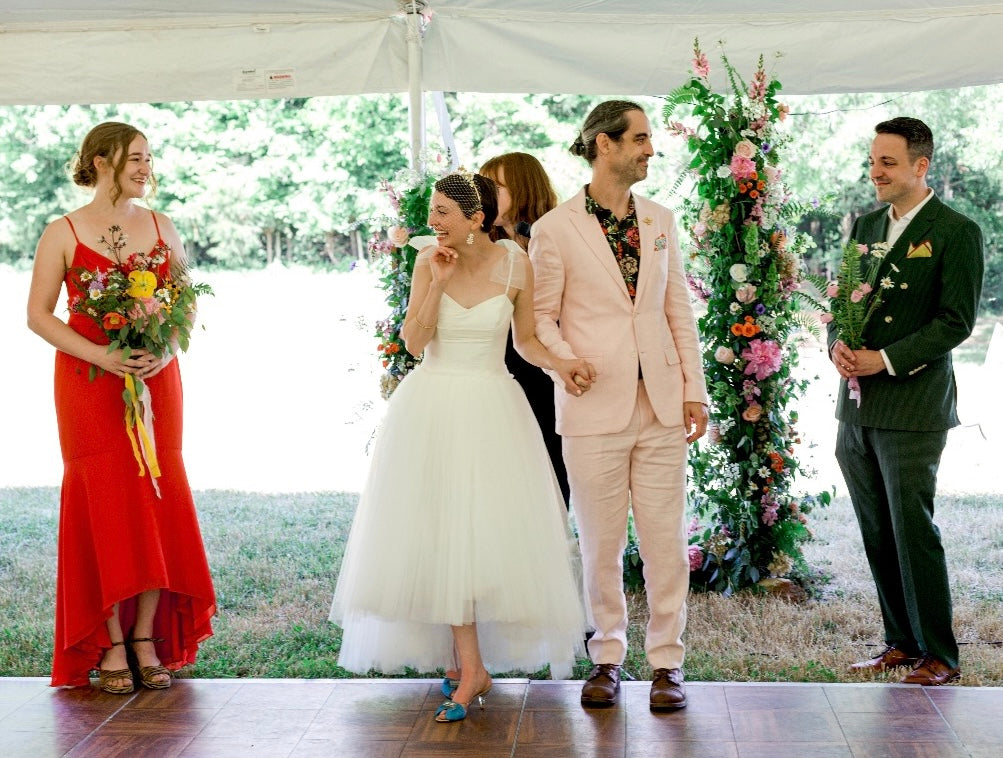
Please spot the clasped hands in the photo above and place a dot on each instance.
(141, 363)
(850, 363)
(577, 373)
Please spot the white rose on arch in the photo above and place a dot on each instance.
(739, 272)
(724, 355)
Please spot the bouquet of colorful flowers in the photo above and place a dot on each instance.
(854, 297)
(138, 310)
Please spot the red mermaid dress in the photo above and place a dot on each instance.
(117, 538)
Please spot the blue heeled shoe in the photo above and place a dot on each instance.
(448, 687)
(451, 710)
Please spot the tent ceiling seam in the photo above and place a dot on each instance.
(164, 23)
(729, 19)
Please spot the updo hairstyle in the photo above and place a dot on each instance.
(609, 118)
(105, 140)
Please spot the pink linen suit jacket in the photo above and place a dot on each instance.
(583, 310)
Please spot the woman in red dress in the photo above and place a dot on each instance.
(134, 597)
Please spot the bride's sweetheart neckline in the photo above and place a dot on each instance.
(475, 305)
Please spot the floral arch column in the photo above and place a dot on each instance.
(747, 262)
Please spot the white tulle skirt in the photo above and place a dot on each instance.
(461, 521)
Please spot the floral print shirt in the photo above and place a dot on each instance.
(623, 236)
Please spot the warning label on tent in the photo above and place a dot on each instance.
(259, 81)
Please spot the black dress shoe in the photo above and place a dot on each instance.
(602, 687)
(667, 691)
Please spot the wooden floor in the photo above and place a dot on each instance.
(384, 718)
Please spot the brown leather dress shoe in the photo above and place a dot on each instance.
(889, 658)
(667, 691)
(602, 686)
(931, 672)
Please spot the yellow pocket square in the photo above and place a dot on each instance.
(922, 250)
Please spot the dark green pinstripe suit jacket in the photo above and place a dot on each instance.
(930, 310)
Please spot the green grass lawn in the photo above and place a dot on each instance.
(274, 560)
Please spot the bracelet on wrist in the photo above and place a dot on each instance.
(423, 326)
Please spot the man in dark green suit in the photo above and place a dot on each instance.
(890, 440)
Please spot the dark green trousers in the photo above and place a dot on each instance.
(892, 480)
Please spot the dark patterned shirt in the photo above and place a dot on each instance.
(623, 236)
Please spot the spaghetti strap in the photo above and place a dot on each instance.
(154, 213)
(72, 229)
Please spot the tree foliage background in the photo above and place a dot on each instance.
(297, 180)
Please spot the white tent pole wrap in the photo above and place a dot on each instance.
(413, 10)
(446, 129)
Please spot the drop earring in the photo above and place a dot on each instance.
(470, 238)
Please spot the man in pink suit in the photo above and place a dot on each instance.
(610, 288)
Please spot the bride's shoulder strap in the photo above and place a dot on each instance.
(511, 269)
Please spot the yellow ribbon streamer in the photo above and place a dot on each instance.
(143, 448)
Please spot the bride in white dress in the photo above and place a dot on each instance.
(460, 550)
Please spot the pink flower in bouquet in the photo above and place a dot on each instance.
(825, 318)
(753, 413)
(772, 174)
(857, 295)
(145, 307)
(832, 290)
(696, 557)
(763, 358)
(742, 167)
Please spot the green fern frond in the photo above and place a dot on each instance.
(817, 281)
(808, 323)
(677, 183)
(810, 300)
(680, 96)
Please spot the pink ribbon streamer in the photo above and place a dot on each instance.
(853, 384)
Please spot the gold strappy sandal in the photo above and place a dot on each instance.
(106, 677)
(147, 674)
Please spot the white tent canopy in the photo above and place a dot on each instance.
(65, 51)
